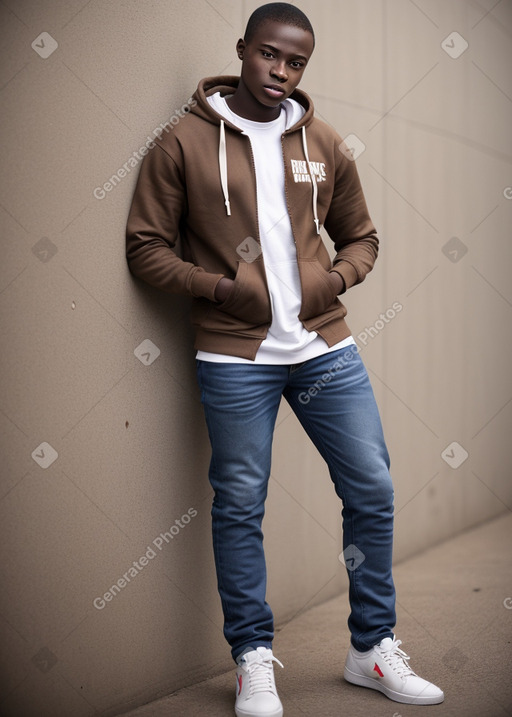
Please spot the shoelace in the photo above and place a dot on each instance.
(397, 659)
(261, 675)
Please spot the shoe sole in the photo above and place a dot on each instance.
(370, 682)
(243, 713)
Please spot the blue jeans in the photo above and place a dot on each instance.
(332, 397)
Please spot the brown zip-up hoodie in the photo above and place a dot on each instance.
(198, 183)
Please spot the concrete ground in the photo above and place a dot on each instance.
(454, 609)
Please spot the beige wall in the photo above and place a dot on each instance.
(130, 438)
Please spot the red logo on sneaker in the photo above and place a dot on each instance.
(378, 670)
(239, 683)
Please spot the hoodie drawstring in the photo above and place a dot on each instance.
(223, 167)
(313, 180)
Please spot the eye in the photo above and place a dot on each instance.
(297, 65)
(267, 53)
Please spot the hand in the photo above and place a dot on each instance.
(336, 281)
(223, 289)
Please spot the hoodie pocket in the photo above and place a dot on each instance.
(318, 295)
(248, 301)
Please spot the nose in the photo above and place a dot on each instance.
(279, 71)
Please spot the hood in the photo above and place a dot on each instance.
(226, 85)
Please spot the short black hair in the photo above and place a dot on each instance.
(277, 12)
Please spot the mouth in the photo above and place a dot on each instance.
(274, 91)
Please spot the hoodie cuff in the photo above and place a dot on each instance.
(347, 273)
(204, 284)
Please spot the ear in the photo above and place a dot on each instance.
(240, 47)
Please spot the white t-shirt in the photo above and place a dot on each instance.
(287, 341)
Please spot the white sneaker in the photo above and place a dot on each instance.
(385, 668)
(256, 694)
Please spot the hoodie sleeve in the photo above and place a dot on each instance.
(349, 225)
(152, 230)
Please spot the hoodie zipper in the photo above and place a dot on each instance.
(258, 225)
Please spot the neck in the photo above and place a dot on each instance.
(244, 105)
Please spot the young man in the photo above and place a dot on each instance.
(247, 178)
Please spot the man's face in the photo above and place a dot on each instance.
(274, 61)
